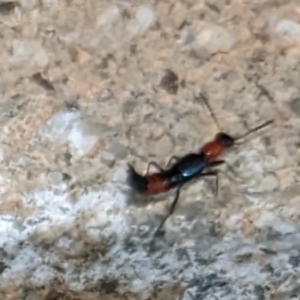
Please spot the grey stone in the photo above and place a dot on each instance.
(259, 292)
(295, 106)
(289, 28)
(294, 261)
(108, 158)
(118, 150)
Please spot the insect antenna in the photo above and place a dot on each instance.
(257, 128)
(205, 101)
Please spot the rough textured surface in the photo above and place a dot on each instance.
(87, 86)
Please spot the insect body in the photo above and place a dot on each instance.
(185, 169)
(182, 171)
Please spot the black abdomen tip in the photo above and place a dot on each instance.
(136, 181)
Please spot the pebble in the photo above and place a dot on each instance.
(143, 19)
(28, 52)
(288, 29)
(212, 40)
(179, 14)
(169, 82)
(108, 158)
(55, 177)
(295, 106)
(145, 15)
(118, 150)
(111, 15)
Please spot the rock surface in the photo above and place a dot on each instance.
(88, 86)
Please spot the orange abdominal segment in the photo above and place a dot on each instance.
(156, 184)
(212, 150)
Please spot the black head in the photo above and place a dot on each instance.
(225, 140)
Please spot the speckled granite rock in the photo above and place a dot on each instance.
(87, 86)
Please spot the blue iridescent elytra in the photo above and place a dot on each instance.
(191, 164)
(186, 169)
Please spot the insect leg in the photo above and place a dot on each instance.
(175, 201)
(155, 165)
(204, 98)
(231, 170)
(170, 212)
(216, 163)
(176, 158)
(220, 162)
(213, 174)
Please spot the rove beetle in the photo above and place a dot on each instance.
(186, 168)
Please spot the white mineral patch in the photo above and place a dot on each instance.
(143, 19)
(289, 29)
(111, 15)
(68, 127)
(102, 214)
(105, 208)
(215, 39)
(26, 52)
